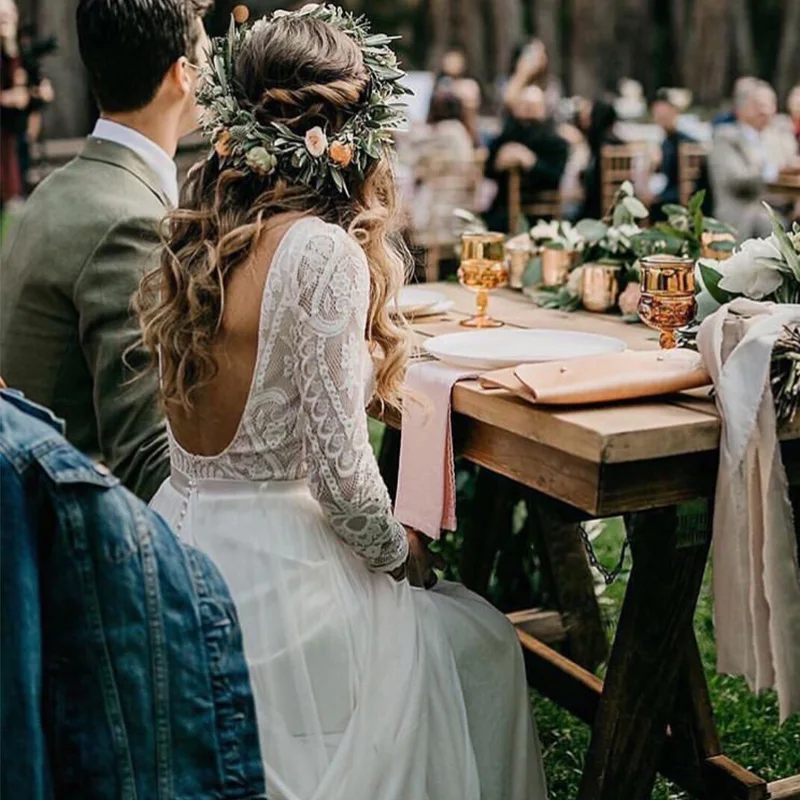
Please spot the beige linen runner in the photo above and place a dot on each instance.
(756, 575)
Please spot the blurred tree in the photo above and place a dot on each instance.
(707, 53)
(788, 70)
(547, 26)
(743, 38)
(592, 46)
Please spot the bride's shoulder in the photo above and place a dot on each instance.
(322, 245)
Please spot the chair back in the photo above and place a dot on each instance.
(691, 158)
(620, 163)
(531, 205)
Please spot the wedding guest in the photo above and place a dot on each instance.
(666, 178)
(742, 162)
(530, 143)
(106, 615)
(87, 235)
(531, 67)
(597, 120)
(793, 106)
(741, 88)
(14, 98)
(445, 172)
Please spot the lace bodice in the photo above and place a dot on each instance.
(305, 413)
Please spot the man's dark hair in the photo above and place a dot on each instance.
(128, 46)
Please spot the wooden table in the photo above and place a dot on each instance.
(788, 189)
(642, 460)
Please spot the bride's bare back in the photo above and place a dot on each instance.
(210, 426)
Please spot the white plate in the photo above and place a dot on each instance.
(485, 350)
(412, 299)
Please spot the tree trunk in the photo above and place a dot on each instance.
(592, 50)
(788, 70)
(546, 20)
(634, 42)
(470, 35)
(506, 28)
(677, 20)
(441, 23)
(743, 37)
(708, 50)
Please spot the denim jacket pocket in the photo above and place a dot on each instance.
(64, 465)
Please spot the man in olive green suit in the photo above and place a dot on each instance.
(90, 231)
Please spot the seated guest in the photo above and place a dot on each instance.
(445, 172)
(793, 106)
(86, 235)
(123, 669)
(597, 120)
(666, 179)
(741, 87)
(529, 142)
(742, 162)
(530, 66)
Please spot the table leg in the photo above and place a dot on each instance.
(647, 661)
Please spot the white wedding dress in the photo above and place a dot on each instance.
(366, 689)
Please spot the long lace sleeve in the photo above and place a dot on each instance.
(330, 372)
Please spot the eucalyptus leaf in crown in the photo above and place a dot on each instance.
(318, 158)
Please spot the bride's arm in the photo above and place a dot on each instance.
(329, 372)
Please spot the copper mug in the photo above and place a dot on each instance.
(599, 287)
(556, 265)
(668, 295)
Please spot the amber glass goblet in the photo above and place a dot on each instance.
(667, 302)
(483, 269)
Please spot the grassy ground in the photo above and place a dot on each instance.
(748, 724)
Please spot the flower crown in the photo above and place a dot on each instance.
(321, 158)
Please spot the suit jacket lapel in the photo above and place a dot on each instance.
(123, 157)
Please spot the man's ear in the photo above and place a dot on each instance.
(178, 80)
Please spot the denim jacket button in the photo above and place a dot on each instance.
(102, 469)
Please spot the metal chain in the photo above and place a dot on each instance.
(609, 576)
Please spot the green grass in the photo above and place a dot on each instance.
(748, 724)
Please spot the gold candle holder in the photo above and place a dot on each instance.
(518, 255)
(667, 302)
(599, 287)
(483, 269)
(556, 265)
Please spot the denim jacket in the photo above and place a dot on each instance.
(123, 673)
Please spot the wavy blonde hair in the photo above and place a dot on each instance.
(302, 73)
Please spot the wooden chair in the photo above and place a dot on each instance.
(532, 205)
(691, 159)
(620, 163)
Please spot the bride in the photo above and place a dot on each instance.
(269, 318)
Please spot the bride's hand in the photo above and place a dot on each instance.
(419, 568)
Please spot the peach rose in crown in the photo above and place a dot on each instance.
(316, 142)
(223, 144)
(341, 154)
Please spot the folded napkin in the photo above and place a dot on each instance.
(603, 378)
(756, 579)
(426, 484)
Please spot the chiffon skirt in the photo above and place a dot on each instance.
(365, 688)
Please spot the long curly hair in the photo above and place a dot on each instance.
(302, 73)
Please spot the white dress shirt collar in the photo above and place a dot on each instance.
(157, 159)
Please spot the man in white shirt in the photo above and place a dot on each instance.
(743, 161)
(90, 231)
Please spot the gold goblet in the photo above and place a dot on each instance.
(483, 269)
(667, 302)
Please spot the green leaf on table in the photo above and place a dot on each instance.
(621, 216)
(784, 242)
(533, 272)
(591, 230)
(672, 210)
(635, 207)
(724, 246)
(711, 278)
(715, 226)
(698, 224)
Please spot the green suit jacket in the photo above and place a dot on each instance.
(70, 267)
